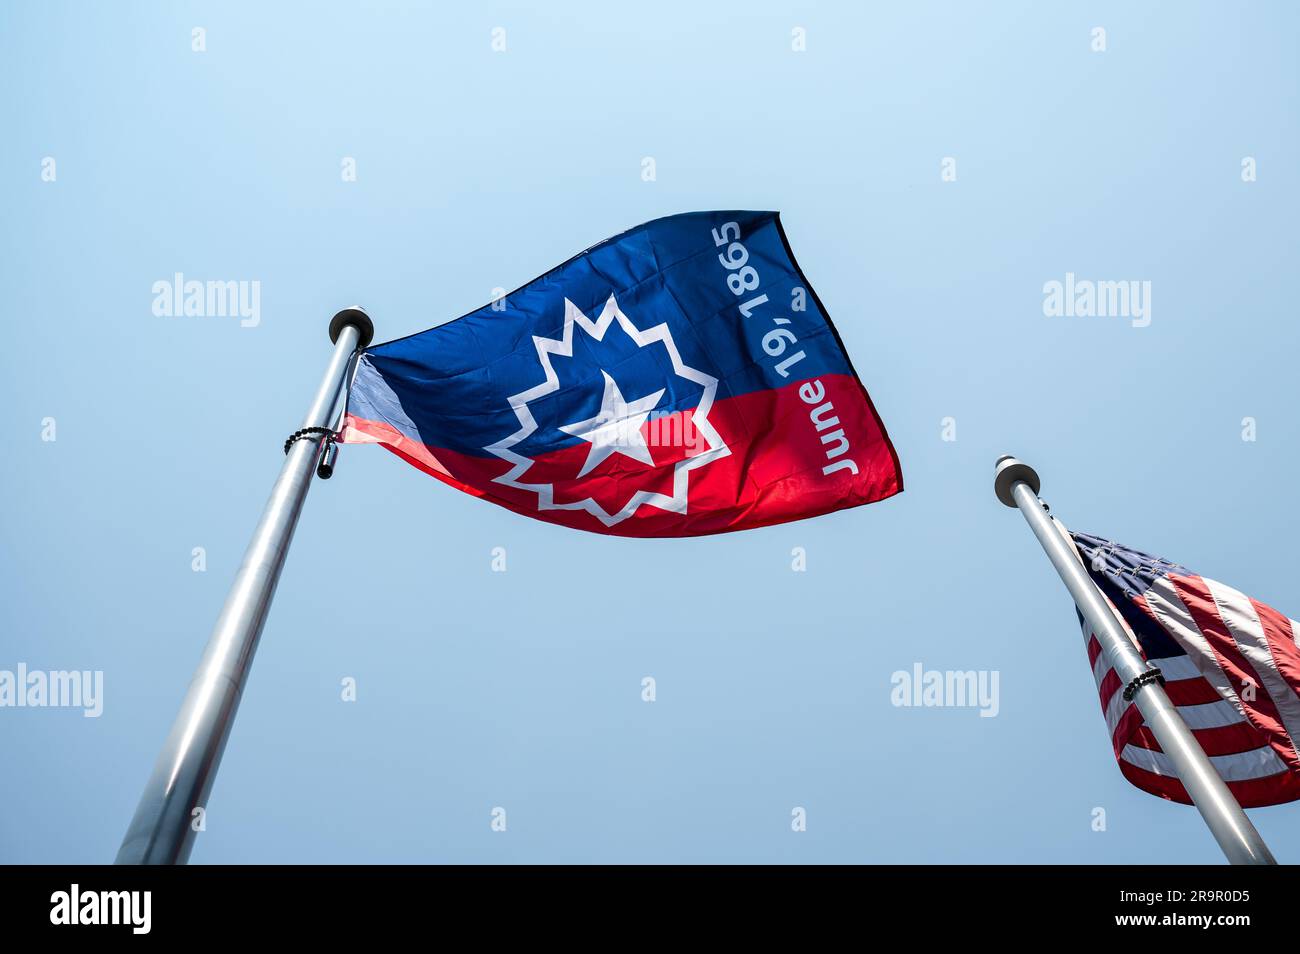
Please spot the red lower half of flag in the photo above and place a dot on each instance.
(799, 451)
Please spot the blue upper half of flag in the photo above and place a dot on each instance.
(682, 271)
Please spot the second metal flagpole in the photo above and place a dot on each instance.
(1016, 485)
(165, 822)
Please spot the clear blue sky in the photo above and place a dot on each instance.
(478, 169)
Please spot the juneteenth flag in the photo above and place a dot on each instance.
(1229, 665)
(681, 378)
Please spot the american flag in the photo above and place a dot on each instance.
(1231, 666)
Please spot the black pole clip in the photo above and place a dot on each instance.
(307, 432)
(1151, 675)
(329, 449)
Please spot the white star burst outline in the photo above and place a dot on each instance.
(563, 346)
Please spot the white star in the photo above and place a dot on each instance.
(549, 348)
(616, 428)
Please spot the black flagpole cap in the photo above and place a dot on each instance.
(357, 317)
(1008, 472)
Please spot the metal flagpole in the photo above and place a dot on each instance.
(165, 822)
(1016, 485)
